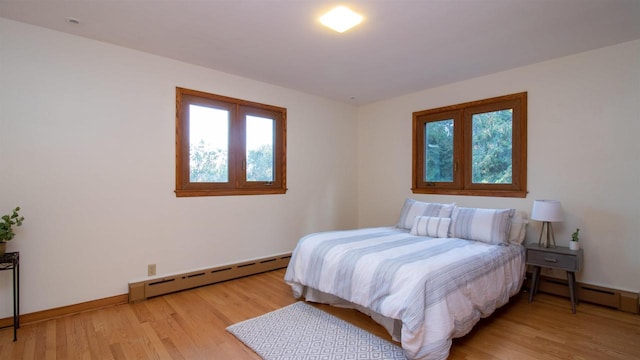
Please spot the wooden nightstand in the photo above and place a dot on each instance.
(558, 257)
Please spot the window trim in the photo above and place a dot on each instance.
(462, 115)
(237, 184)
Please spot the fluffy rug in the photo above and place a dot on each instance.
(302, 332)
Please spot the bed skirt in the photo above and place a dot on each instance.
(393, 326)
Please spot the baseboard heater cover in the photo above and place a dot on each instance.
(617, 299)
(145, 289)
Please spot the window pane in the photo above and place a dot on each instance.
(208, 144)
(259, 148)
(492, 147)
(438, 155)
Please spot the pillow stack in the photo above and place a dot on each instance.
(491, 226)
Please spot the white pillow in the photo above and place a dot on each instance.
(490, 226)
(436, 227)
(518, 229)
(413, 208)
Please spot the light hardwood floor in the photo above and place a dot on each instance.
(191, 325)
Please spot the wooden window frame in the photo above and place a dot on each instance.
(462, 152)
(237, 184)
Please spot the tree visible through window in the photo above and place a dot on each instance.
(259, 148)
(492, 147)
(208, 144)
(439, 151)
(476, 148)
(228, 146)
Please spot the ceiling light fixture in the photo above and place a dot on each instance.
(341, 19)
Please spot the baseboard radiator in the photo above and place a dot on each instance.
(162, 285)
(613, 298)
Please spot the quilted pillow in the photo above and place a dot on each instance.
(436, 227)
(490, 226)
(413, 208)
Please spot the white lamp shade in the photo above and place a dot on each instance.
(547, 210)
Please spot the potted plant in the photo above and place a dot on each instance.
(6, 228)
(575, 237)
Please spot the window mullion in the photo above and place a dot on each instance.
(467, 149)
(237, 148)
(458, 149)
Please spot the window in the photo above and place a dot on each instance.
(477, 148)
(227, 146)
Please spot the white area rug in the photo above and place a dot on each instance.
(302, 332)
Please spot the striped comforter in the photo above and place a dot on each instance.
(437, 287)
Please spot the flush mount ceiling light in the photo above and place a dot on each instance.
(341, 19)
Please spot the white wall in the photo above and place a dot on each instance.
(87, 134)
(583, 148)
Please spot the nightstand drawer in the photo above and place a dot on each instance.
(547, 259)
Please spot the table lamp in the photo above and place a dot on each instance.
(547, 211)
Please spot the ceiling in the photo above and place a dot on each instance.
(401, 47)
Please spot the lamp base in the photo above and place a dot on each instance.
(550, 240)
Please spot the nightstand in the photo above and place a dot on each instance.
(558, 257)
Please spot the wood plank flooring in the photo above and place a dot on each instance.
(191, 325)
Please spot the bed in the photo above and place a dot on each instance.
(427, 280)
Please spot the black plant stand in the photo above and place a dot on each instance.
(11, 261)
